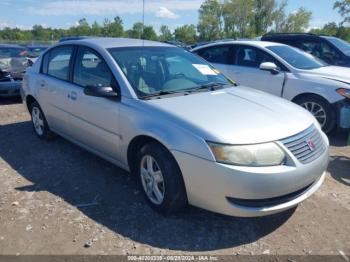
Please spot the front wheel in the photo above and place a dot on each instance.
(321, 109)
(161, 179)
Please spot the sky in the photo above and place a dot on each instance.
(65, 13)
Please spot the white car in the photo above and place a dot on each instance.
(286, 72)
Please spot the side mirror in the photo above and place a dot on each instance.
(271, 67)
(100, 91)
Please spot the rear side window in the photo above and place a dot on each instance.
(216, 54)
(91, 70)
(57, 62)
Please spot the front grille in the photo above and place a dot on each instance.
(300, 147)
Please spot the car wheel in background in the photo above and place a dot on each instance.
(321, 109)
(39, 122)
(161, 179)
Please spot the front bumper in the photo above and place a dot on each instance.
(343, 114)
(10, 88)
(268, 190)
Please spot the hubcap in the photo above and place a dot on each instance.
(152, 179)
(38, 121)
(317, 111)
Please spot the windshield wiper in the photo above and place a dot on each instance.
(210, 86)
(162, 93)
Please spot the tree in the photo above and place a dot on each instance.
(333, 29)
(343, 7)
(136, 31)
(210, 25)
(263, 15)
(96, 29)
(40, 33)
(113, 28)
(83, 27)
(186, 34)
(116, 27)
(149, 33)
(238, 14)
(298, 21)
(165, 33)
(279, 16)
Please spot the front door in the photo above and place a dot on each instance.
(246, 70)
(94, 120)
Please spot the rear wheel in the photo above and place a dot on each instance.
(161, 179)
(321, 109)
(39, 122)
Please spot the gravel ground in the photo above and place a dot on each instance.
(56, 198)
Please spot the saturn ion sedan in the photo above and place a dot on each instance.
(189, 133)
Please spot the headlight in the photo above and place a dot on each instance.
(268, 154)
(344, 92)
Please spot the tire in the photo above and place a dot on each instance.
(168, 181)
(40, 126)
(321, 109)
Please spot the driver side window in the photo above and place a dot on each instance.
(91, 70)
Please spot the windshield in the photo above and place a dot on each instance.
(340, 44)
(296, 57)
(152, 70)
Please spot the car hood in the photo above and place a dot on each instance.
(237, 115)
(336, 73)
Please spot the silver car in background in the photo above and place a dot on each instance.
(169, 117)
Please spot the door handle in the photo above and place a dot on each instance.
(73, 96)
(42, 84)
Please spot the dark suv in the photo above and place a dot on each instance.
(330, 49)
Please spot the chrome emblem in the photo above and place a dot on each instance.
(310, 144)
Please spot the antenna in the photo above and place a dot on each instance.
(143, 21)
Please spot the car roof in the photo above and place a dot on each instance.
(289, 36)
(255, 43)
(110, 42)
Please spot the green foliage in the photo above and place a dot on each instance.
(298, 21)
(333, 29)
(238, 15)
(263, 15)
(209, 24)
(136, 31)
(186, 34)
(217, 19)
(343, 7)
(165, 33)
(149, 33)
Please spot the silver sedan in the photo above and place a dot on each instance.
(189, 133)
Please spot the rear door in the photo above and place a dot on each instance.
(246, 69)
(93, 120)
(53, 83)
